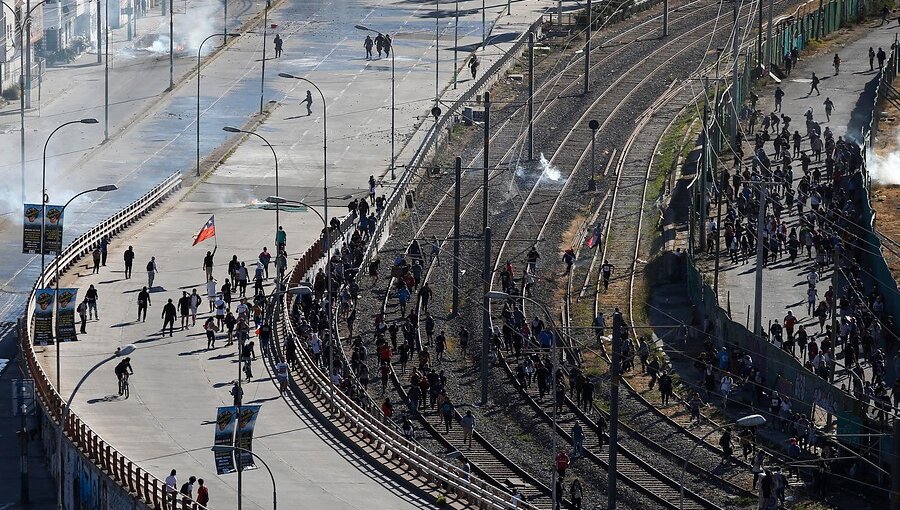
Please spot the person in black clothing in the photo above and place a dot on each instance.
(278, 45)
(184, 309)
(725, 443)
(123, 370)
(143, 302)
(665, 387)
(129, 261)
(425, 295)
(814, 85)
(104, 250)
(601, 431)
(168, 316)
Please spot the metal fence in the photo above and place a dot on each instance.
(122, 471)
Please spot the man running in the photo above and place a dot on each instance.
(814, 85)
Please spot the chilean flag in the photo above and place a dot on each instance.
(208, 230)
(595, 237)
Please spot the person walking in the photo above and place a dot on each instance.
(168, 316)
(82, 310)
(308, 101)
(836, 62)
(829, 107)
(194, 304)
(143, 301)
(202, 490)
(237, 393)
(779, 95)
(279, 44)
(871, 59)
(211, 293)
(95, 258)
(379, 44)
(211, 329)
(576, 493)
(129, 261)
(151, 272)
(281, 373)
(187, 492)
(184, 309)
(814, 85)
(265, 258)
(367, 44)
(882, 56)
(473, 66)
(171, 491)
(91, 297)
(468, 425)
(104, 250)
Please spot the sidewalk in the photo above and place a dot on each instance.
(177, 383)
(784, 284)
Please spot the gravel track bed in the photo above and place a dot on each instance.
(510, 423)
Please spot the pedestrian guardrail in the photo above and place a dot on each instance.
(145, 487)
(386, 441)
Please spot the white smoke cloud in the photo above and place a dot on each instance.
(884, 169)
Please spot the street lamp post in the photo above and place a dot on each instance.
(329, 309)
(324, 192)
(269, 145)
(199, 53)
(221, 448)
(437, 48)
(64, 414)
(753, 420)
(555, 346)
(102, 189)
(106, 73)
(171, 43)
(22, 82)
(262, 80)
(44, 187)
(455, 44)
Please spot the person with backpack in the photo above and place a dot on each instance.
(447, 413)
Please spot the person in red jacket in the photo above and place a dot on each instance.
(562, 462)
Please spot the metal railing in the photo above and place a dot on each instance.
(386, 441)
(144, 486)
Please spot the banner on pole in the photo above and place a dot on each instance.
(43, 315)
(244, 439)
(53, 229)
(65, 315)
(224, 436)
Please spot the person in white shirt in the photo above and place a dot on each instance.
(281, 371)
(211, 292)
(727, 384)
(171, 491)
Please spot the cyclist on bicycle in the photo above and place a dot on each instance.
(123, 370)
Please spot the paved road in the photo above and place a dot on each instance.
(178, 384)
(784, 285)
(320, 42)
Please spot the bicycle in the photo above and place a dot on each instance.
(123, 385)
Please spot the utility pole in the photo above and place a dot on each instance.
(106, 74)
(769, 37)
(483, 25)
(455, 44)
(587, 49)
(618, 329)
(836, 256)
(721, 186)
(895, 469)
(100, 27)
(437, 48)
(665, 18)
(735, 89)
(487, 143)
(456, 234)
(262, 81)
(759, 32)
(225, 19)
(530, 141)
(760, 220)
(486, 315)
(172, 42)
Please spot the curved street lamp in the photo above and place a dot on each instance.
(199, 53)
(64, 414)
(230, 129)
(225, 448)
(44, 185)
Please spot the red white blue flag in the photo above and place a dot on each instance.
(208, 230)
